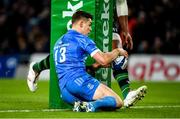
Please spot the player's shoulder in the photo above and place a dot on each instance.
(83, 38)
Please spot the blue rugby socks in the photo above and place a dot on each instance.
(107, 101)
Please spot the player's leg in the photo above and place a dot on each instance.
(42, 65)
(72, 100)
(35, 69)
(104, 91)
(97, 95)
(130, 96)
(104, 98)
(121, 76)
(79, 105)
(68, 97)
(134, 96)
(121, 18)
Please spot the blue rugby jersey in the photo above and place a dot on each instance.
(70, 53)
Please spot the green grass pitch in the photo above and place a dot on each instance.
(16, 101)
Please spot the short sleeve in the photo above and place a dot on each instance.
(89, 46)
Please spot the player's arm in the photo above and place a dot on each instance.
(122, 12)
(105, 58)
(96, 66)
(126, 37)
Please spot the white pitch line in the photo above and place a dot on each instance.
(158, 106)
(58, 110)
(29, 110)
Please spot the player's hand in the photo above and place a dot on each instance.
(123, 52)
(127, 40)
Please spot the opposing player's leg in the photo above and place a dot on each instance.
(42, 65)
(31, 78)
(134, 96)
(35, 69)
(121, 76)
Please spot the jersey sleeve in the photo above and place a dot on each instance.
(89, 46)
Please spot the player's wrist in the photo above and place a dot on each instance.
(120, 50)
(126, 32)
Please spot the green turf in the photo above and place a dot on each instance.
(15, 96)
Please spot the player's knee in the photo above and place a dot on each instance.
(119, 103)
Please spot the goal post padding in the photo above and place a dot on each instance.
(61, 13)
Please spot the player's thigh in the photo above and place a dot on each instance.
(83, 87)
(103, 91)
(68, 97)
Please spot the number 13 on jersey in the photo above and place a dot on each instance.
(59, 55)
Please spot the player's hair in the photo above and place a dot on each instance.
(81, 14)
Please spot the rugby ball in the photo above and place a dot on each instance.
(120, 63)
